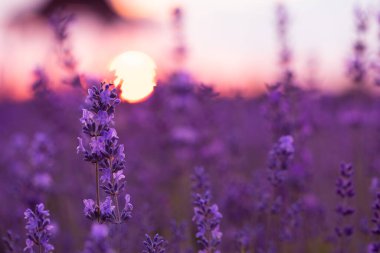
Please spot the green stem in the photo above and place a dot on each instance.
(114, 196)
(97, 190)
(117, 208)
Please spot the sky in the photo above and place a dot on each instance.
(232, 44)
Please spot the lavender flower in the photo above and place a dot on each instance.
(374, 247)
(375, 65)
(97, 242)
(38, 229)
(40, 87)
(41, 158)
(206, 215)
(285, 58)
(242, 240)
(59, 22)
(178, 235)
(200, 181)
(155, 245)
(282, 17)
(279, 159)
(357, 65)
(277, 110)
(291, 221)
(180, 49)
(345, 190)
(101, 148)
(11, 242)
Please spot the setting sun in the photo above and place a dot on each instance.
(136, 73)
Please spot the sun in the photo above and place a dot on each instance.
(136, 72)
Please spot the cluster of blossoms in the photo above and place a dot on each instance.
(277, 110)
(97, 242)
(41, 157)
(155, 245)
(180, 49)
(32, 163)
(279, 159)
(357, 65)
(282, 19)
(375, 64)
(101, 148)
(59, 22)
(11, 242)
(38, 229)
(40, 86)
(375, 246)
(345, 190)
(291, 221)
(206, 215)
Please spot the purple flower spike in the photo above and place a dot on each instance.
(100, 146)
(126, 214)
(155, 245)
(38, 229)
(374, 247)
(344, 189)
(279, 159)
(206, 215)
(97, 241)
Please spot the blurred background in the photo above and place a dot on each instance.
(228, 85)
(230, 44)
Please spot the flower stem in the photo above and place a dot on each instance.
(97, 190)
(117, 208)
(114, 196)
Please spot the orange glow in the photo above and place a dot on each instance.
(136, 73)
(130, 9)
(143, 9)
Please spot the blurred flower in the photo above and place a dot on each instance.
(99, 231)
(97, 241)
(374, 247)
(279, 159)
(345, 190)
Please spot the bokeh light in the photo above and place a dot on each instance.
(136, 72)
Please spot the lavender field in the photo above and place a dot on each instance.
(181, 166)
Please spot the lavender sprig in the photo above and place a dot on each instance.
(101, 148)
(10, 241)
(38, 230)
(97, 242)
(279, 159)
(206, 215)
(357, 65)
(282, 22)
(277, 110)
(345, 190)
(59, 22)
(40, 86)
(375, 64)
(155, 245)
(374, 247)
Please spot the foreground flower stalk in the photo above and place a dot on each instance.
(100, 147)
